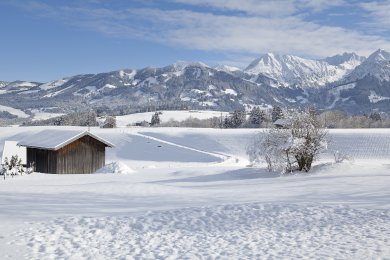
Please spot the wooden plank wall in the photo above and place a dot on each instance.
(45, 160)
(85, 155)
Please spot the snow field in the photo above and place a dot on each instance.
(371, 144)
(190, 196)
(360, 144)
(246, 231)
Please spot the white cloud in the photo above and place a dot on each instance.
(266, 7)
(379, 13)
(319, 5)
(250, 34)
(205, 31)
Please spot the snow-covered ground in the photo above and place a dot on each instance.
(177, 115)
(38, 114)
(41, 115)
(189, 195)
(17, 112)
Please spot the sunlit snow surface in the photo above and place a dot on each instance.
(191, 196)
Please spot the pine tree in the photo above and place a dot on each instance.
(277, 113)
(256, 116)
(227, 122)
(155, 119)
(6, 163)
(238, 118)
(375, 116)
(20, 166)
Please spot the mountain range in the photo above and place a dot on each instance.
(347, 82)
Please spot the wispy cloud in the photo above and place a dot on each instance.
(379, 14)
(319, 5)
(265, 7)
(276, 26)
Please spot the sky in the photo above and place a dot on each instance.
(47, 40)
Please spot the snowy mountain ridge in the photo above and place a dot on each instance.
(294, 71)
(346, 82)
(227, 68)
(376, 65)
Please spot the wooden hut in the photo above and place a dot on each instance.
(65, 152)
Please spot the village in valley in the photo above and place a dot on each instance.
(113, 147)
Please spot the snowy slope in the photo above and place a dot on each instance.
(53, 84)
(22, 84)
(3, 83)
(17, 112)
(42, 115)
(191, 196)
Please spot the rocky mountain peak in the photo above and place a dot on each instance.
(377, 65)
(181, 65)
(294, 71)
(346, 57)
(379, 55)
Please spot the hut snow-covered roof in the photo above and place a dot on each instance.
(56, 139)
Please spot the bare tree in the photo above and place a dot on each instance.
(111, 120)
(289, 149)
(309, 138)
(273, 146)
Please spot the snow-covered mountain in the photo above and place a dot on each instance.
(366, 87)
(227, 68)
(376, 65)
(293, 71)
(3, 83)
(346, 82)
(17, 86)
(348, 60)
(182, 84)
(181, 65)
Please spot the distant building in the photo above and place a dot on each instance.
(107, 122)
(283, 123)
(107, 125)
(142, 123)
(65, 152)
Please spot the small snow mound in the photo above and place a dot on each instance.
(116, 167)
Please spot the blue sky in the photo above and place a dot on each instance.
(47, 40)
